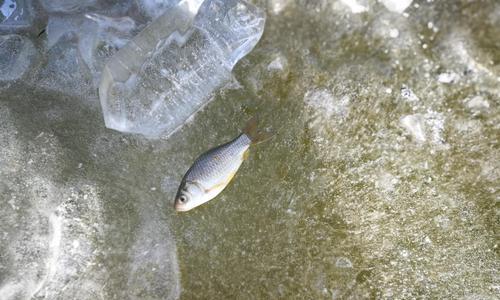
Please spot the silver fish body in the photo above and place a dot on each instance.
(211, 173)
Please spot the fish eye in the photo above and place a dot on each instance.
(182, 198)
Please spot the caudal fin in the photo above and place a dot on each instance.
(252, 132)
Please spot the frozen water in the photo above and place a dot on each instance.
(65, 70)
(448, 77)
(355, 6)
(163, 77)
(414, 124)
(277, 6)
(67, 6)
(155, 8)
(343, 262)
(16, 55)
(398, 6)
(98, 36)
(423, 127)
(477, 105)
(15, 14)
(278, 64)
(381, 182)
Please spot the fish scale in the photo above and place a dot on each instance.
(219, 163)
(212, 171)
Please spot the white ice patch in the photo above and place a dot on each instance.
(424, 127)
(414, 125)
(10, 289)
(278, 64)
(448, 77)
(386, 182)
(277, 6)
(355, 6)
(408, 94)
(17, 54)
(343, 262)
(393, 33)
(477, 105)
(155, 8)
(326, 105)
(397, 6)
(74, 232)
(154, 264)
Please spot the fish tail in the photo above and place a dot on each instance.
(254, 134)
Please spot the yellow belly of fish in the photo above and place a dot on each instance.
(213, 191)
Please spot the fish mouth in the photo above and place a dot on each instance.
(180, 207)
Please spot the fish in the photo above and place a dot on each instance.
(213, 170)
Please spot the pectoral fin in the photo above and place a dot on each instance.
(222, 184)
(245, 155)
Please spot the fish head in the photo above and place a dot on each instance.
(189, 196)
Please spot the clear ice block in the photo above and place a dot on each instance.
(167, 72)
(155, 8)
(16, 56)
(15, 14)
(99, 36)
(67, 6)
(65, 70)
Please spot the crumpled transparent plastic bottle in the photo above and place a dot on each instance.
(166, 73)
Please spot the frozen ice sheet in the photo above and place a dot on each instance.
(98, 36)
(155, 8)
(168, 71)
(67, 6)
(17, 54)
(65, 70)
(15, 14)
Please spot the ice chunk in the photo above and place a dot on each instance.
(15, 14)
(111, 34)
(278, 64)
(448, 77)
(65, 70)
(355, 7)
(277, 6)
(16, 55)
(408, 94)
(99, 36)
(477, 105)
(396, 5)
(167, 72)
(326, 105)
(67, 6)
(343, 262)
(414, 124)
(394, 33)
(423, 127)
(155, 8)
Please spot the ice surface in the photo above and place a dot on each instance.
(98, 36)
(16, 55)
(15, 14)
(278, 64)
(277, 6)
(398, 6)
(423, 127)
(155, 8)
(67, 6)
(355, 6)
(381, 182)
(168, 71)
(448, 77)
(65, 69)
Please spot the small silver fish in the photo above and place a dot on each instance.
(214, 169)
